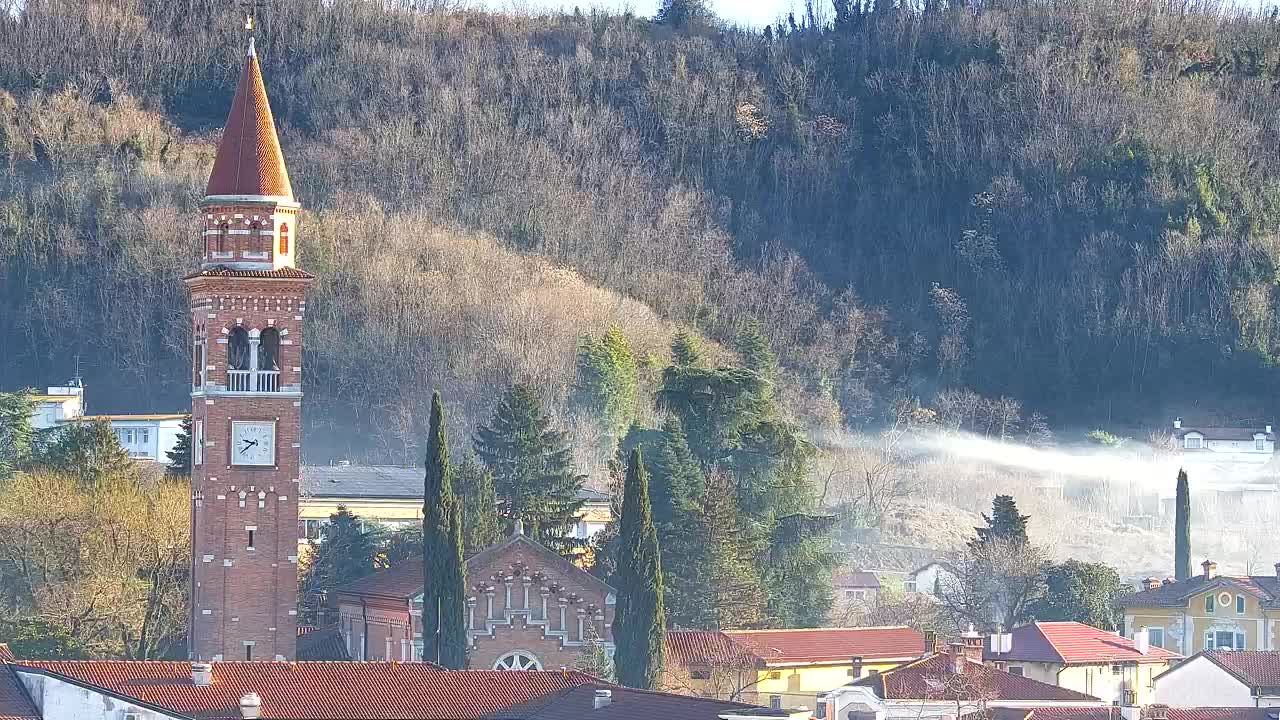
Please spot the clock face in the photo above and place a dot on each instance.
(253, 443)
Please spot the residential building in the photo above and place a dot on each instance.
(528, 609)
(392, 497)
(931, 579)
(1083, 658)
(1148, 712)
(1234, 678)
(1207, 611)
(752, 665)
(159, 690)
(144, 436)
(891, 563)
(856, 588)
(1207, 444)
(944, 685)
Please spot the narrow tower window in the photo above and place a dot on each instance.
(252, 532)
(255, 240)
(269, 350)
(224, 238)
(284, 238)
(238, 349)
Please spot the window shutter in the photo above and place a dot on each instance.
(1208, 641)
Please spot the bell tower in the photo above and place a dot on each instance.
(247, 308)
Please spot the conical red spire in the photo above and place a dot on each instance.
(249, 161)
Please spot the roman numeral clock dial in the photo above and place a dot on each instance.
(253, 443)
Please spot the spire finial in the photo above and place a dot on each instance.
(252, 52)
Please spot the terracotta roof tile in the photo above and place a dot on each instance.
(318, 690)
(577, 703)
(322, 644)
(935, 678)
(1073, 642)
(284, 273)
(1264, 587)
(778, 647)
(1255, 668)
(855, 579)
(697, 648)
(249, 160)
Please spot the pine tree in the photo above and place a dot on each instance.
(753, 348)
(686, 351)
(1182, 528)
(443, 600)
(346, 552)
(533, 475)
(675, 477)
(180, 455)
(88, 450)
(638, 627)
(474, 484)
(683, 14)
(1004, 523)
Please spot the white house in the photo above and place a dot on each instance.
(1207, 444)
(930, 578)
(144, 437)
(1224, 678)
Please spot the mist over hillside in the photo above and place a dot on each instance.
(1071, 204)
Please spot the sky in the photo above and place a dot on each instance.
(747, 12)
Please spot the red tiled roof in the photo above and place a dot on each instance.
(15, 704)
(778, 647)
(934, 678)
(1255, 668)
(284, 273)
(249, 160)
(317, 690)
(696, 648)
(1175, 594)
(6, 654)
(1073, 642)
(855, 579)
(626, 704)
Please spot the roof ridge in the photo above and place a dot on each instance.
(818, 629)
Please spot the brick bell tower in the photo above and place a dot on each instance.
(247, 306)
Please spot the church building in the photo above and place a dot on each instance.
(247, 309)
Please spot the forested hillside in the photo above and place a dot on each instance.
(1069, 203)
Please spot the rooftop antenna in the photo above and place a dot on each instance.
(77, 380)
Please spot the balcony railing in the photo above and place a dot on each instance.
(253, 381)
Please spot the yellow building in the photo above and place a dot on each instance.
(1207, 611)
(1083, 658)
(391, 496)
(752, 665)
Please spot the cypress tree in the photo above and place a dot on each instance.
(638, 625)
(443, 600)
(474, 483)
(1182, 529)
(1004, 523)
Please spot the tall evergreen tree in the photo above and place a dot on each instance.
(180, 455)
(1005, 523)
(1182, 528)
(753, 348)
(474, 485)
(533, 473)
(606, 381)
(346, 552)
(443, 600)
(638, 626)
(16, 433)
(675, 478)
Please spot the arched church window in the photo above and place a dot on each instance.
(224, 238)
(284, 238)
(518, 660)
(255, 240)
(197, 361)
(238, 349)
(269, 349)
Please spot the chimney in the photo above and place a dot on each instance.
(1142, 641)
(956, 651)
(1157, 712)
(602, 698)
(1277, 567)
(856, 663)
(933, 647)
(1151, 583)
(1177, 423)
(1210, 569)
(1169, 581)
(972, 645)
(250, 706)
(201, 674)
(518, 529)
(1268, 430)
(1130, 712)
(775, 703)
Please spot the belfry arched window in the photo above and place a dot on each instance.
(255, 244)
(224, 238)
(284, 238)
(518, 660)
(269, 349)
(238, 349)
